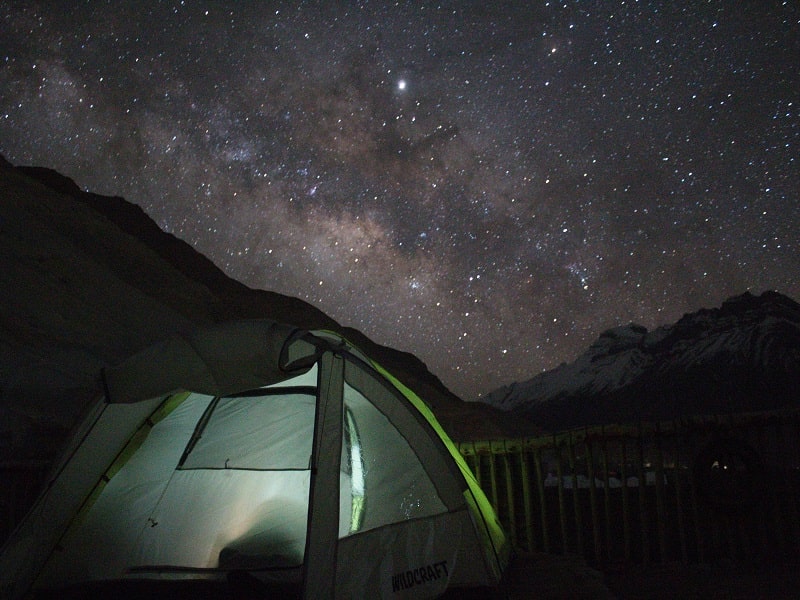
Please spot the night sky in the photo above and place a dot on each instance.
(488, 188)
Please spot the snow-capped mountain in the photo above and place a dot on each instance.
(743, 356)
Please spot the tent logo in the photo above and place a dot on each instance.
(420, 576)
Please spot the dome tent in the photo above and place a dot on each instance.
(253, 450)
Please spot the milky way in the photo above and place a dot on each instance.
(488, 188)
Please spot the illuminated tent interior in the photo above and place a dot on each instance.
(255, 450)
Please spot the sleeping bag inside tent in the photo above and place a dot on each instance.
(255, 451)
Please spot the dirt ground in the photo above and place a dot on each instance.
(555, 577)
(551, 576)
(725, 580)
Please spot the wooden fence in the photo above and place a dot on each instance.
(693, 490)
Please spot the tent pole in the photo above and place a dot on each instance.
(319, 565)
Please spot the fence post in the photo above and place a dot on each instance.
(509, 484)
(791, 475)
(592, 496)
(643, 529)
(562, 510)
(700, 532)
(463, 448)
(526, 496)
(606, 491)
(493, 480)
(537, 463)
(661, 510)
(788, 486)
(678, 476)
(626, 512)
(576, 502)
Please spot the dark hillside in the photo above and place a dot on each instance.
(91, 279)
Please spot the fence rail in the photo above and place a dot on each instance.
(692, 490)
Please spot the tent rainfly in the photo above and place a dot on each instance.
(253, 453)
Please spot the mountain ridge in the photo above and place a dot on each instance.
(742, 356)
(91, 279)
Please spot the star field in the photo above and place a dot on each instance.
(488, 188)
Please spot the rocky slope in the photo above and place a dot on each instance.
(743, 356)
(88, 280)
